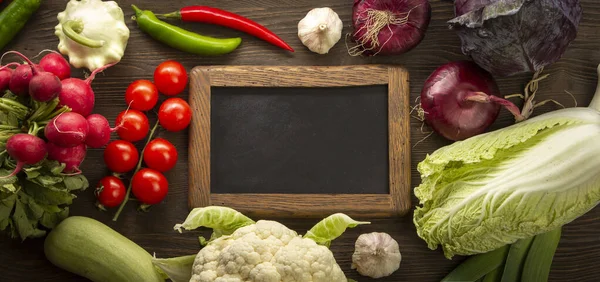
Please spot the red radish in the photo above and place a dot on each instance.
(5, 75)
(67, 130)
(72, 157)
(19, 81)
(55, 63)
(99, 131)
(43, 86)
(461, 100)
(78, 95)
(26, 149)
(388, 27)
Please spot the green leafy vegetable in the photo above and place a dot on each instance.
(515, 260)
(493, 189)
(178, 269)
(494, 276)
(28, 208)
(477, 266)
(331, 227)
(539, 259)
(36, 199)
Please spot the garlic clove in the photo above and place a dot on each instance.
(320, 30)
(376, 255)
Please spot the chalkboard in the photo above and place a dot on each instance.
(300, 141)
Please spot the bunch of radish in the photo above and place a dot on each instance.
(147, 182)
(59, 102)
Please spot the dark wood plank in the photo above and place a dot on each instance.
(578, 255)
(397, 202)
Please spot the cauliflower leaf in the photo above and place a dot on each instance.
(331, 227)
(222, 220)
(178, 269)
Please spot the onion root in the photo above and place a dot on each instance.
(375, 21)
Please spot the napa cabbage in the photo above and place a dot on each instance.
(493, 189)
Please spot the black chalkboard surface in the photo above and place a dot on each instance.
(297, 140)
(302, 141)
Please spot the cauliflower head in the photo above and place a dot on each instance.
(242, 250)
(266, 251)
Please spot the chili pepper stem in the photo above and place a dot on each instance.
(139, 166)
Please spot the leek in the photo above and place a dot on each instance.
(491, 190)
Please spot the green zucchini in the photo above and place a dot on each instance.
(89, 248)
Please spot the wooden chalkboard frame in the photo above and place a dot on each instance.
(396, 203)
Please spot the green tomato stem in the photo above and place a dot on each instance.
(139, 166)
(72, 30)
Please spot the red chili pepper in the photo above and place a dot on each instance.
(210, 15)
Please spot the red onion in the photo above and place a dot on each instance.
(461, 100)
(388, 27)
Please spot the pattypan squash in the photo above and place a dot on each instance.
(92, 33)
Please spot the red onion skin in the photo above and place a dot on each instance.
(393, 39)
(444, 100)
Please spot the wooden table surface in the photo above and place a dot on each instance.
(578, 255)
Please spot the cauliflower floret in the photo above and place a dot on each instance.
(266, 251)
(304, 260)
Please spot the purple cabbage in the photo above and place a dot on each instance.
(508, 37)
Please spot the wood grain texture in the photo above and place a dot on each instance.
(297, 76)
(199, 144)
(577, 258)
(396, 203)
(307, 205)
(399, 140)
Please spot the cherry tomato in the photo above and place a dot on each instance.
(110, 191)
(160, 155)
(121, 156)
(170, 78)
(149, 186)
(142, 95)
(133, 125)
(174, 114)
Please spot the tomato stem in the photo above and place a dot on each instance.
(139, 166)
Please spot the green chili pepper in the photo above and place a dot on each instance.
(182, 39)
(14, 17)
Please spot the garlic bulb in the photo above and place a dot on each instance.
(376, 255)
(320, 29)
